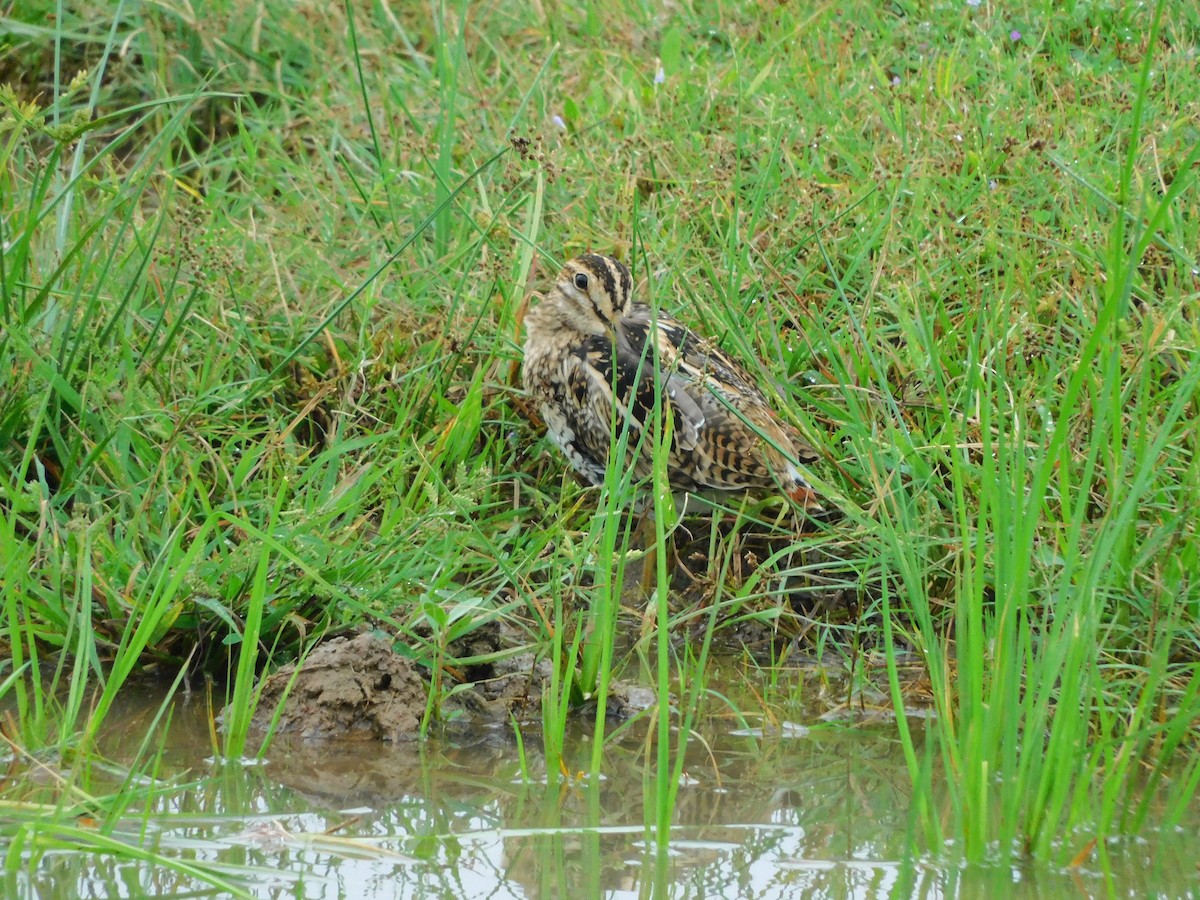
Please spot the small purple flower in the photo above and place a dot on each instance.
(559, 123)
(660, 76)
(1014, 35)
(895, 81)
(974, 3)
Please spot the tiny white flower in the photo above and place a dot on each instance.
(660, 76)
(559, 123)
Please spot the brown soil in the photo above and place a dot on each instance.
(354, 687)
(359, 688)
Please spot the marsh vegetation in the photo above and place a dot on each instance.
(263, 272)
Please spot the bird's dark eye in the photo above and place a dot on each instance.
(581, 281)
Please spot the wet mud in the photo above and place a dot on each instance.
(359, 688)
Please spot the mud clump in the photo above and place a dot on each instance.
(358, 688)
(349, 687)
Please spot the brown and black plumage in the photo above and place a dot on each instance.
(588, 354)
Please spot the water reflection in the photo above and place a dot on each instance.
(822, 814)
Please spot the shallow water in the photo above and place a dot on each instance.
(818, 812)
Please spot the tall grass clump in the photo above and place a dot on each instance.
(57, 328)
(185, 422)
(1070, 683)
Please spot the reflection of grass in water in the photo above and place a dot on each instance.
(963, 262)
(822, 808)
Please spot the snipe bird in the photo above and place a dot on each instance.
(588, 354)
